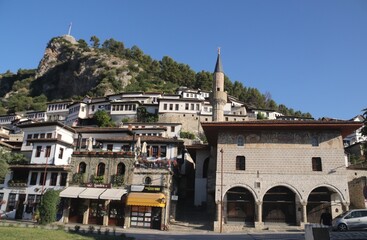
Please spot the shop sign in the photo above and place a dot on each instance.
(152, 189)
(137, 188)
(142, 188)
(98, 185)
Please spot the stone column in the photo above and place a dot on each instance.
(346, 206)
(304, 213)
(86, 213)
(259, 223)
(66, 211)
(107, 208)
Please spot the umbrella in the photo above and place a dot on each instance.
(138, 146)
(90, 144)
(144, 149)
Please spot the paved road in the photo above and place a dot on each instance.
(240, 236)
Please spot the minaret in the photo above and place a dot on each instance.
(219, 96)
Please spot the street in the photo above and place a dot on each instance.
(144, 235)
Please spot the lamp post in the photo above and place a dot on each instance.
(45, 172)
(221, 191)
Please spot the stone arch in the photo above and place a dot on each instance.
(101, 169)
(279, 204)
(82, 167)
(120, 169)
(256, 197)
(287, 185)
(322, 197)
(239, 205)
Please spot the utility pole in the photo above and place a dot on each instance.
(221, 191)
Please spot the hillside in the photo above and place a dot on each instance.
(71, 69)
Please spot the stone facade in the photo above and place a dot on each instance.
(258, 164)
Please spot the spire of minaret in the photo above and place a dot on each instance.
(218, 65)
(219, 96)
(70, 25)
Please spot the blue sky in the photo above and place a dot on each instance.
(309, 55)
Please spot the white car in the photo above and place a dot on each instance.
(355, 219)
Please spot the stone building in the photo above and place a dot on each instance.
(119, 174)
(277, 171)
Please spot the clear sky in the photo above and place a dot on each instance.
(309, 55)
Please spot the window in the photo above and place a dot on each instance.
(49, 135)
(42, 179)
(29, 136)
(53, 179)
(163, 151)
(100, 169)
(240, 141)
(165, 106)
(315, 141)
(316, 164)
(63, 179)
(240, 163)
(38, 151)
(120, 169)
(125, 148)
(147, 181)
(82, 167)
(48, 151)
(109, 147)
(176, 107)
(61, 152)
(35, 135)
(172, 128)
(34, 176)
(186, 106)
(42, 135)
(11, 202)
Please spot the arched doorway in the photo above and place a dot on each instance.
(240, 206)
(279, 205)
(318, 200)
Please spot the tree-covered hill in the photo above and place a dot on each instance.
(71, 69)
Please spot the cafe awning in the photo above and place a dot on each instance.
(146, 199)
(113, 194)
(71, 192)
(91, 193)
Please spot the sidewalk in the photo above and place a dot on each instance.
(174, 228)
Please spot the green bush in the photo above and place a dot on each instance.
(48, 206)
(188, 135)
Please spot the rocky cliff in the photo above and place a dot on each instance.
(70, 68)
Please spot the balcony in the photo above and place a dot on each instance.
(104, 154)
(17, 184)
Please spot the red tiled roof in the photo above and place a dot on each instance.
(212, 129)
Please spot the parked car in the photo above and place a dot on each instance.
(355, 219)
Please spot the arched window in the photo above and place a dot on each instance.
(240, 141)
(82, 167)
(101, 169)
(120, 169)
(147, 181)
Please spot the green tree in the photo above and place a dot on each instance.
(3, 165)
(48, 206)
(364, 129)
(102, 119)
(83, 44)
(114, 47)
(204, 80)
(95, 41)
